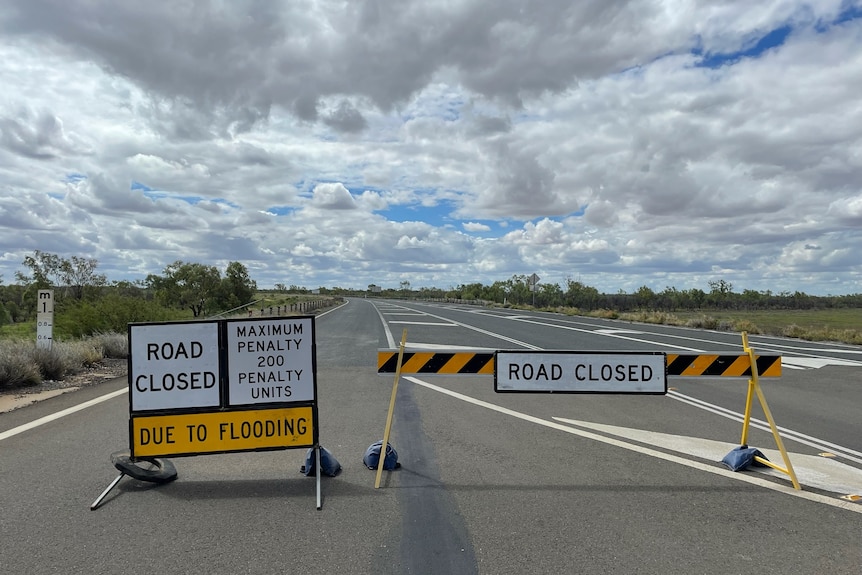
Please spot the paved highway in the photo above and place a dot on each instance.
(490, 483)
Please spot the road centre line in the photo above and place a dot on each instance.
(788, 490)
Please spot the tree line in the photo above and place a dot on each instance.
(518, 290)
(90, 304)
(87, 303)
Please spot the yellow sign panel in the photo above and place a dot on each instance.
(218, 432)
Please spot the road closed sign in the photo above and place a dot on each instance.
(580, 372)
(174, 366)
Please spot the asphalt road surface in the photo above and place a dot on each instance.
(491, 483)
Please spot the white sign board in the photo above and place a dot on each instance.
(44, 318)
(580, 372)
(174, 365)
(270, 361)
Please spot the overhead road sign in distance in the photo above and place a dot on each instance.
(580, 372)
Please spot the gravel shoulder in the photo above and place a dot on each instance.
(108, 369)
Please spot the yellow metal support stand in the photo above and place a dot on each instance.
(754, 388)
(391, 411)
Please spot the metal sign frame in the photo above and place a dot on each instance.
(190, 364)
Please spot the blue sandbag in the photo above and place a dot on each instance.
(372, 456)
(742, 457)
(328, 463)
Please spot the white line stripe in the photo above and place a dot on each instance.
(845, 452)
(437, 323)
(786, 489)
(59, 414)
(480, 330)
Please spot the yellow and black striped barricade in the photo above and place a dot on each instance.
(437, 362)
(749, 365)
(450, 362)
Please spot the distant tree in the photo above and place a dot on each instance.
(697, 297)
(186, 285)
(79, 274)
(720, 293)
(645, 297)
(518, 289)
(549, 295)
(126, 288)
(237, 288)
(581, 296)
(44, 270)
(76, 275)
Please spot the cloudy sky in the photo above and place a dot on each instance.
(439, 142)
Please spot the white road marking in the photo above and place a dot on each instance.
(391, 340)
(63, 413)
(614, 331)
(433, 346)
(744, 477)
(435, 323)
(845, 452)
(811, 470)
(815, 362)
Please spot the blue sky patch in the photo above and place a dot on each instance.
(139, 186)
(280, 210)
(770, 40)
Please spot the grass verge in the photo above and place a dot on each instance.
(22, 364)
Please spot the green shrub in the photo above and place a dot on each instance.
(604, 314)
(51, 362)
(793, 330)
(23, 364)
(703, 322)
(114, 345)
(746, 326)
(17, 367)
(112, 313)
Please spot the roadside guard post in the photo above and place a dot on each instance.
(223, 386)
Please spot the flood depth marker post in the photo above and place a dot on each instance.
(45, 319)
(388, 427)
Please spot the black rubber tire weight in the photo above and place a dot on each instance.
(163, 473)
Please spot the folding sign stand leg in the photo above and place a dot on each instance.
(104, 494)
(319, 473)
(754, 388)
